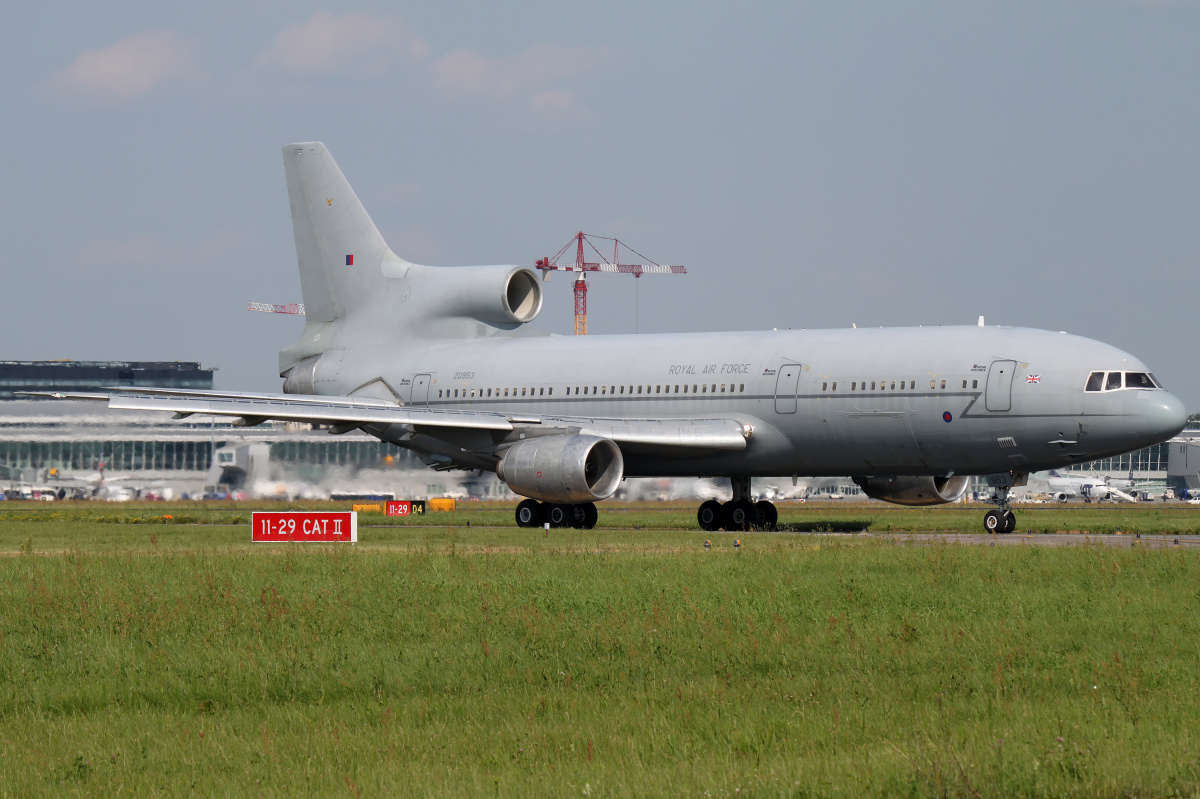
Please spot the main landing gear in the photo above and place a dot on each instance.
(531, 513)
(1001, 519)
(740, 513)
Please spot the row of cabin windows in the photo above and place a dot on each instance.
(463, 393)
(886, 385)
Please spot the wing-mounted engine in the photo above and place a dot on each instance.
(566, 468)
(914, 490)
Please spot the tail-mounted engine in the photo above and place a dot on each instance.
(565, 469)
(914, 490)
(505, 296)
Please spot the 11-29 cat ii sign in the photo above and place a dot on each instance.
(304, 526)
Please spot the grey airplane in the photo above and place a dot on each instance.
(442, 361)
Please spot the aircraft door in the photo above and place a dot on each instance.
(998, 396)
(786, 385)
(420, 390)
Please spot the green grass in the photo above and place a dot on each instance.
(173, 659)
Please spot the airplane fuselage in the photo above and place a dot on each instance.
(907, 401)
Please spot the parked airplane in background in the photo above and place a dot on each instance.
(1087, 487)
(442, 361)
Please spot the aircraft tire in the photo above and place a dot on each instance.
(560, 515)
(529, 513)
(709, 517)
(993, 522)
(1010, 522)
(739, 515)
(590, 515)
(765, 515)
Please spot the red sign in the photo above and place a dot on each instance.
(406, 507)
(303, 526)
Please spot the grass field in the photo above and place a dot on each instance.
(143, 655)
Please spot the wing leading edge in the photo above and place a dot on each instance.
(347, 413)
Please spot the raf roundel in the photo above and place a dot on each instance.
(947, 417)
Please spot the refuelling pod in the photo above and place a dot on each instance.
(914, 490)
(564, 469)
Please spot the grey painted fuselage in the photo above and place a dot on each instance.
(907, 401)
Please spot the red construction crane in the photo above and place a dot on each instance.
(582, 266)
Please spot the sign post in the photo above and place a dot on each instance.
(304, 526)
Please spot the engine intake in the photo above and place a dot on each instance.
(567, 469)
(505, 296)
(914, 490)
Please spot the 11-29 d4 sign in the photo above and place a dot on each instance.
(304, 526)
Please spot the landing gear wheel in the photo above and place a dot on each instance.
(765, 515)
(560, 515)
(993, 521)
(1001, 522)
(1010, 522)
(709, 516)
(529, 513)
(589, 513)
(739, 515)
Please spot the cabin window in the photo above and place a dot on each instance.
(933, 384)
(657, 389)
(704, 389)
(604, 390)
(824, 386)
(489, 392)
(853, 385)
(974, 384)
(722, 388)
(612, 389)
(685, 388)
(742, 387)
(943, 384)
(894, 385)
(622, 389)
(834, 385)
(872, 385)
(1113, 382)
(550, 391)
(541, 392)
(522, 392)
(585, 389)
(639, 389)
(439, 393)
(593, 389)
(964, 384)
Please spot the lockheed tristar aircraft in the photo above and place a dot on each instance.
(442, 361)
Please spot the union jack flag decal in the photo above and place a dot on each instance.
(1033, 378)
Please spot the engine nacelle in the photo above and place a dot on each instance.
(505, 296)
(567, 469)
(914, 490)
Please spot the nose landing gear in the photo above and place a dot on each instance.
(1001, 519)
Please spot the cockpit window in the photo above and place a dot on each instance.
(1095, 381)
(1113, 382)
(1155, 381)
(1138, 380)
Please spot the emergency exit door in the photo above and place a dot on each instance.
(998, 396)
(420, 390)
(786, 385)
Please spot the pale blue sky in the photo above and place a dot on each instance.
(812, 165)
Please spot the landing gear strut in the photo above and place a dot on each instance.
(531, 513)
(1001, 519)
(739, 514)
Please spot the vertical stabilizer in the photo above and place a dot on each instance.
(338, 247)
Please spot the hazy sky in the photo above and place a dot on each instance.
(812, 165)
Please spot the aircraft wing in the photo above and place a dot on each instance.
(347, 413)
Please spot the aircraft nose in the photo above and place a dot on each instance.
(1165, 415)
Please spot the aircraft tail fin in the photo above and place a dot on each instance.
(338, 247)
